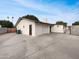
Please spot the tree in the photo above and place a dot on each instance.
(12, 17)
(31, 17)
(8, 17)
(61, 23)
(75, 23)
(7, 24)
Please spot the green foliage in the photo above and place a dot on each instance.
(76, 23)
(61, 23)
(6, 24)
(31, 17)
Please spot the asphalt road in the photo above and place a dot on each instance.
(47, 46)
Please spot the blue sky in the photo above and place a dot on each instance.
(53, 10)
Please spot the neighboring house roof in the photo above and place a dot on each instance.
(31, 17)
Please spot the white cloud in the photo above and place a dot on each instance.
(37, 6)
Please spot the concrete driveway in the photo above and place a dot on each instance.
(12, 46)
(47, 46)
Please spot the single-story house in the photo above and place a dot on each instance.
(58, 28)
(30, 25)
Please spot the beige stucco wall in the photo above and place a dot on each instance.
(57, 29)
(24, 26)
(42, 28)
(75, 30)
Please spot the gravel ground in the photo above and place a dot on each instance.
(47, 46)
